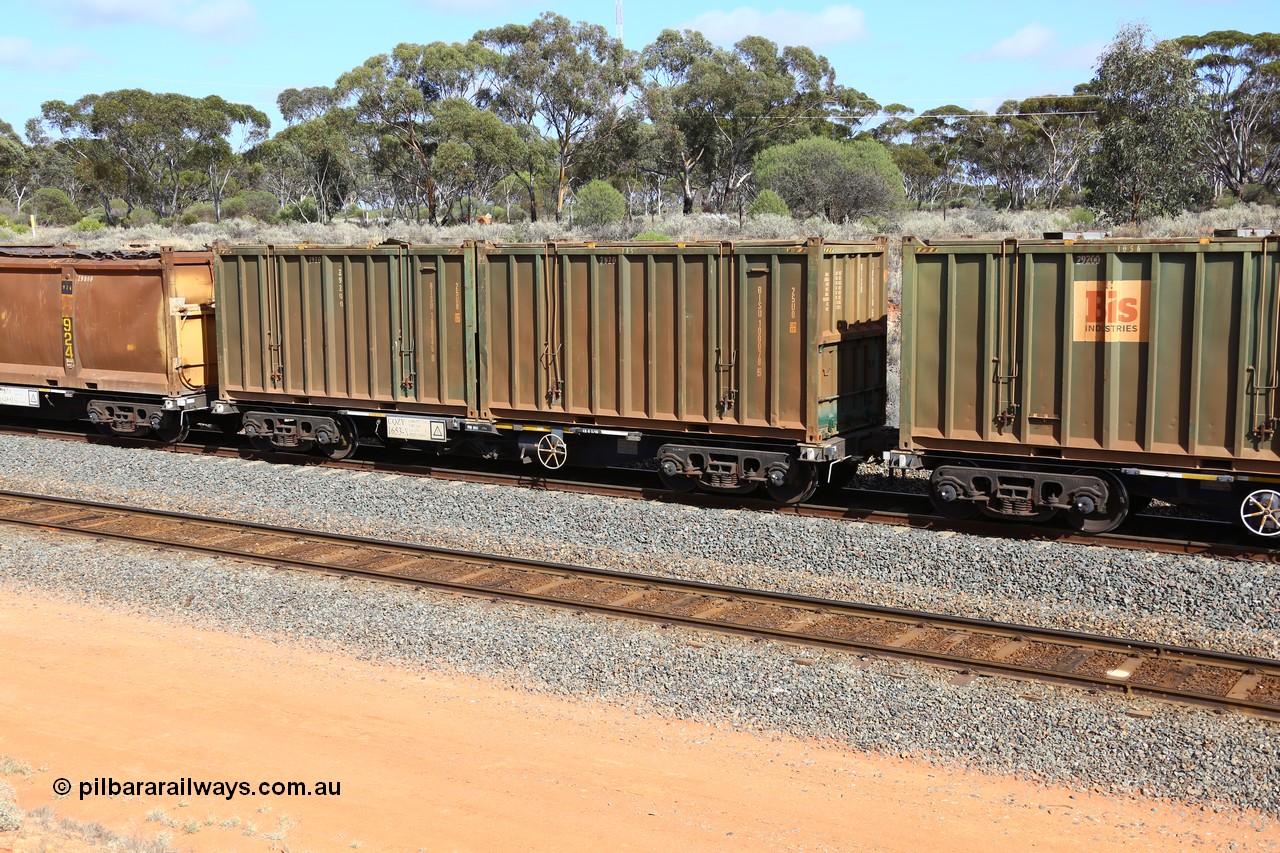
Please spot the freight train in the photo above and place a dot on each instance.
(1076, 377)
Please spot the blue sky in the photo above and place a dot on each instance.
(924, 53)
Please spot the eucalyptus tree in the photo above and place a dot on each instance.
(1240, 74)
(398, 96)
(141, 143)
(1152, 120)
(566, 80)
(682, 117)
(838, 179)
(757, 96)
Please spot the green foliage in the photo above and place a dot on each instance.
(1082, 217)
(201, 211)
(88, 224)
(768, 202)
(301, 211)
(52, 206)
(1152, 120)
(652, 237)
(838, 180)
(140, 217)
(1240, 76)
(598, 203)
(13, 225)
(259, 204)
(566, 76)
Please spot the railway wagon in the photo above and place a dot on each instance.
(721, 365)
(1080, 377)
(124, 339)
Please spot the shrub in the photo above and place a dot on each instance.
(598, 203)
(301, 211)
(768, 201)
(234, 208)
(1081, 216)
(259, 204)
(652, 236)
(201, 211)
(88, 224)
(54, 207)
(140, 217)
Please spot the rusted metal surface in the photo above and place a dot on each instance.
(1192, 675)
(1157, 352)
(772, 339)
(387, 326)
(128, 322)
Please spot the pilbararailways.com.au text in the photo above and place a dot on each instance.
(188, 787)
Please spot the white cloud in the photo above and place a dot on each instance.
(200, 17)
(833, 25)
(1032, 40)
(1043, 45)
(21, 54)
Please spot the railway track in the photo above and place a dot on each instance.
(1173, 535)
(971, 646)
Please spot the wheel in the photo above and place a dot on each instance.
(172, 430)
(261, 442)
(1260, 512)
(800, 483)
(955, 508)
(1102, 521)
(345, 445)
(669, 471)
(552, 451)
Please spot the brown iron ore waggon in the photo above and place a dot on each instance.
(721, 365)
(124, 339)
(1081, 378)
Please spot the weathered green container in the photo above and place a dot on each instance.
(1125, 352)
(385, 327)
(762, 339)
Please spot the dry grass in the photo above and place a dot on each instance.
(975, 222)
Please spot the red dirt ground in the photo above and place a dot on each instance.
(440, 762)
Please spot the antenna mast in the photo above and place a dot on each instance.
(618, 15)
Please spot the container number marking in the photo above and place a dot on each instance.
(68, 343)
(417, 429)
(28, 397)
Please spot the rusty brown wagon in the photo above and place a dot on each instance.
(122, 338)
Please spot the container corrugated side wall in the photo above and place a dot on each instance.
(386, 326)
(129, 324)
(772, 339)
(1157, 352)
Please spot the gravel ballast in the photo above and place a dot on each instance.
(1181, 600)
(892, 708)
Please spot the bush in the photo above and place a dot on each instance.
(652, 236)
(140, 217)
(88, 224)
(234, 208)
(1081, 216)
(301, 211)
(598, 203)
(201, 211)
(768, 201)
(259, 204)
(54, 207)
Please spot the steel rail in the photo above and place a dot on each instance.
(1196, 676)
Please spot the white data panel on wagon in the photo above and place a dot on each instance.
(416, 429)
(10, 396)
